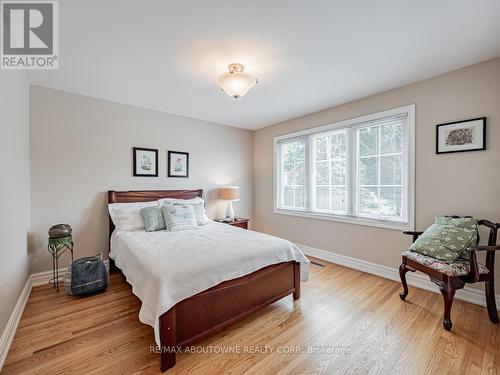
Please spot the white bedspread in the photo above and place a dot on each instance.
(167, 267)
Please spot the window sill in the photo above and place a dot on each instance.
(400, 226)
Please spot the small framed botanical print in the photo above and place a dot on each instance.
(459, 136)
(178, 164)
(145, 162)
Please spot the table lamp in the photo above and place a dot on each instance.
(230, 193)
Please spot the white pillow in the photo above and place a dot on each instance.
(127, 216)
(198, 206)
(164, 201)
(179, 216)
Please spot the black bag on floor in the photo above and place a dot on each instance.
(88, 275)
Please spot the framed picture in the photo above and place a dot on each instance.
(145, 162)
(459, 136)
(178, 164)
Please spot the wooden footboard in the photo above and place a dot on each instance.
(212, 310)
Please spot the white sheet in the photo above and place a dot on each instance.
(167, 267)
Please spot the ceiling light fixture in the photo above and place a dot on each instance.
(236, 83)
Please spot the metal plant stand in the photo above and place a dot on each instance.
(57, 247)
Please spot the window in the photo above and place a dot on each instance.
(330, 159)
(357, 171)
(293, 170)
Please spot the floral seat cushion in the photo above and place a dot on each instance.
(460, 267)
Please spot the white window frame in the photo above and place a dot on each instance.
(306, 172)
(408, 172)
(312, 193)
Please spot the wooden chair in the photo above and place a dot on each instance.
(450, 277)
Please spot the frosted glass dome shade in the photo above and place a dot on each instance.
(236, 83)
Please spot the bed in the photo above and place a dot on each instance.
(222, 300)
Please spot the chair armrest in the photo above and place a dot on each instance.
(485, 248)
(413, 233)
(474, 269)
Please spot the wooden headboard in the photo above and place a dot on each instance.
(146, 196)
(151, 195)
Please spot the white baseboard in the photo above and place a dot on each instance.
(42, 278)
(415, 279)
(35, 279)
(12, 323)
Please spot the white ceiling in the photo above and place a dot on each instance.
(307, 55)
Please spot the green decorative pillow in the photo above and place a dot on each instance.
(459, 222)
(153, 218)
(447, 239)
(179, 217)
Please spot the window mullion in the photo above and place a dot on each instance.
(405, 165)
(379, 160)
(328, 166)
(311, 168)
(351, 172)
(281, 190)
(293, 183)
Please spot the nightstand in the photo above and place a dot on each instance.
(240, 222)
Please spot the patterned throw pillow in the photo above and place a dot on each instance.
(447, 239)
(462, 222)
(153, 218)
(459, 222)
(179, 217)
(199, 213)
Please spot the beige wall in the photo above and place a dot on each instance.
(81, 147)
(14, 193)
(460, 183)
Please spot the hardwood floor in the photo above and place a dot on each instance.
(357, 321)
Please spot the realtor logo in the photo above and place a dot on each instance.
(30, 35)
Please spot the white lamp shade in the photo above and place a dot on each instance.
(236, 83)
(231, 193)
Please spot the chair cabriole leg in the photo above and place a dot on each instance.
(448, 293)
(402, 273)
(489, 288)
